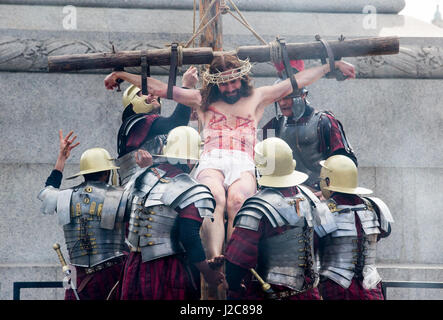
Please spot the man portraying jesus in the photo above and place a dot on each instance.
(229, 108)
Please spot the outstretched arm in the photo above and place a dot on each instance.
(273, 93)
(189, 97)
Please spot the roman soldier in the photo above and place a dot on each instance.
(167, 211)
(348, 255)
(143, 131)
(313, 135)
(92, 216)
(276, 231)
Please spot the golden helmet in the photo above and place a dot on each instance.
(274, 161)
(139, 104)
(183, 142)
(95, 160)
(339, 173)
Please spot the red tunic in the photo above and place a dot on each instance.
(98, 285)
(331, 290)
(168, 278)
(243, 251)
(139, 132)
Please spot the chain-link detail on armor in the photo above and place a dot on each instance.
(153, 222)
(343, 254)
(303, 138)
(287, 258)
(385, 214)
(92, 217)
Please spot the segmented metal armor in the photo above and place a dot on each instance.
(344, 255)
(287, 258)
(92, 215)
(126, 162)
(153, 222)
(304, 140)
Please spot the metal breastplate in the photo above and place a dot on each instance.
(127, 164)
(92, 216)
(154, 220)
(153, 229)
(305, 143)
(286, 259)
(342, 258)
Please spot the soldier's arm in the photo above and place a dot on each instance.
(188, 97)
(162, 125)
(271, 94)
(189, 235)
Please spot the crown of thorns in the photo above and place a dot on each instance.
(228, 75)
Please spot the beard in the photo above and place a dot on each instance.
(233, 98)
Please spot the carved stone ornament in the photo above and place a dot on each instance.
(31, 55)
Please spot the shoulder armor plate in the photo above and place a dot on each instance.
(385, 214)
(63, 206)
(322, 219)
(48, 196)
(270, 203)
(184, 191)
(111, 206)
(143, 182)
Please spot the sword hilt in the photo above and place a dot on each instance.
(56, 247)
(266, 287)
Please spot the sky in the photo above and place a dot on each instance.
(422, 9)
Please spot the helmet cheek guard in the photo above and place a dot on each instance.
(298, 107)
(139, 105)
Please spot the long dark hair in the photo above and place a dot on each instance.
(210, 93)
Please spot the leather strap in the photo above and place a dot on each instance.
(145, 72)
(172, 70)
(333, 72)
(287, 65)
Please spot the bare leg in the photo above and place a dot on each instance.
(213, 233)
(238, 192)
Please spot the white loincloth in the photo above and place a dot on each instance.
(231, 163)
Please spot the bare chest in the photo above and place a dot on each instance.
(221, 115)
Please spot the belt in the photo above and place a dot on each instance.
(283, 294)
(136, 249)
(103, 265)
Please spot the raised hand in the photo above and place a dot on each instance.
(190, 77)
(66, 145)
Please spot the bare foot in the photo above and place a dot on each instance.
(216, 262)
